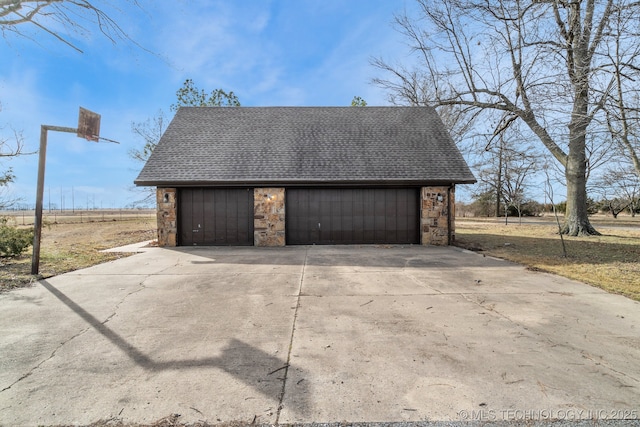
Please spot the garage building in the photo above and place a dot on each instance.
(270, 176)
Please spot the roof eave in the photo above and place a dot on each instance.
(306, 183)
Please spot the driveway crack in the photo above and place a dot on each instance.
(141, 286)
(42, 362)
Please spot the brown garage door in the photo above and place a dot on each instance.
(214, 216)
(352, 216)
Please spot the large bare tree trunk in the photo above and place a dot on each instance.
(576, 222)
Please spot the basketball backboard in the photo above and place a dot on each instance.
(89, 125)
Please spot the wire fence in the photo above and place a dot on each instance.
(27, 217)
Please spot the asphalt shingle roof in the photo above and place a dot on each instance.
(305, 146)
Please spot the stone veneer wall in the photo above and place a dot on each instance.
(268, 217)
(167, 201)
(437, 215)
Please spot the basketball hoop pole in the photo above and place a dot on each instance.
(89, 128)
(35, 259)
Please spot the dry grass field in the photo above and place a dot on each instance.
(610, 261)
(71, 242)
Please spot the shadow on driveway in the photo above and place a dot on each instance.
(239, 359)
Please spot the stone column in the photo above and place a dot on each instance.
(167, 214)
(437, 216)
(268, 217)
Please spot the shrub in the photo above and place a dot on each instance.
(14, 241)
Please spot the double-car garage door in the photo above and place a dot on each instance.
(209, 216)
(352, 216)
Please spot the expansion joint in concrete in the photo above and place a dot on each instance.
(293, 331)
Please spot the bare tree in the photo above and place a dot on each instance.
(60, 18)
(150, 131)
(623, 106)
(539, 62)
(515, 181)
(414, 87)
(10, 147)
(619, 189)
(506, 167)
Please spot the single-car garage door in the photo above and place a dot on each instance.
(352, 216)
(215, 216)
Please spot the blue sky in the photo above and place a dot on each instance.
(286, 52)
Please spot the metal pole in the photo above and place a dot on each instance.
(35, 259)
(37, 232)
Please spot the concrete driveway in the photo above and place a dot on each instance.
(315, 334)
